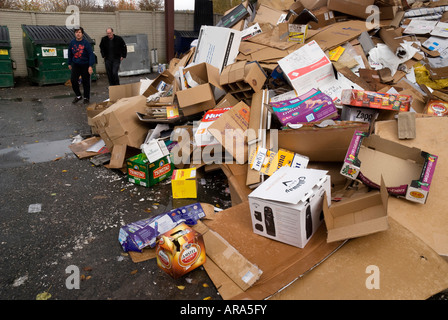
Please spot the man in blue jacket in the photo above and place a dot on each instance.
(80, 61)
(113, 50)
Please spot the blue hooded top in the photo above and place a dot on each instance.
(80, 52)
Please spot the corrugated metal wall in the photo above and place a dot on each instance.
(95, 24)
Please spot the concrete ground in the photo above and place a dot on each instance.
(82, 207)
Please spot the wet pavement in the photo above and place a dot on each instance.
(60, 213)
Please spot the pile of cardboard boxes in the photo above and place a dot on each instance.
(328, 118)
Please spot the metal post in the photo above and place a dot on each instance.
(169, 29)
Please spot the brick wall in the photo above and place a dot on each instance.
(95, 24)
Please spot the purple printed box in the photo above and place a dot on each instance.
(370, 158)
(312, 106)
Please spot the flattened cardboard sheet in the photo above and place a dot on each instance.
(430, 221)
(406, 267)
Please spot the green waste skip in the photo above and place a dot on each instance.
(6, 63)
(46, 52)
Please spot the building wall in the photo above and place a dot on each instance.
(95, 24)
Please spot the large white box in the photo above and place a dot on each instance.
(217, 46)
(288, 206)
(308, 67)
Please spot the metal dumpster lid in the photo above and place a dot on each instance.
(5, 41)
(52, 35)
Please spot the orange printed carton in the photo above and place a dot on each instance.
(180, 251)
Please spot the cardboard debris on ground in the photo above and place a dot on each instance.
(249, 65)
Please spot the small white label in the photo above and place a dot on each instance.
(49, 52)
(259, 159)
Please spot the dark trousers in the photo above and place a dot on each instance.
(83, 71)
(112, 66)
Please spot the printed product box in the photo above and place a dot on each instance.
(217, 46)
(184, 184)
(145, 173)
(180, 251)
(310, 107)
(288, 206)
(437, 108)
(350, 113)
(407, 172)
(268, 161)
(202, 137)
(141, 234)
(308, 67)
(376, 100)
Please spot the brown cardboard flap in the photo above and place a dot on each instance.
(355, 8)
(321, 144)
(230, 130)
(118, 156)
(124, 91)
(235, 265)
(338, 33)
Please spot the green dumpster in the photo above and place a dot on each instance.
(6, 63)
(46, 50)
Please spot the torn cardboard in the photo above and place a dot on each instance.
(231, 131)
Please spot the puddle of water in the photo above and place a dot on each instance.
(35, 153)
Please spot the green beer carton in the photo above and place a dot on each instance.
(147, 174)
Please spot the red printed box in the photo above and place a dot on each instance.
(376, 100)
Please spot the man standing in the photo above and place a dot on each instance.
(80, 61)
(113, 50)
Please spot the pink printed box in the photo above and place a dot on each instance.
(407, 172)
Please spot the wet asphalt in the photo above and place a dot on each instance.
(61, 215)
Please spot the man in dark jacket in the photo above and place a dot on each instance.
(80, 61)
(113, 50)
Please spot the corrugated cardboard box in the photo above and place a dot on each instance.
(145, 173)
(184, 184)
(119, 124)
(407, 172)
(204, 95)
(231, 131)
(321, 144)
(307, 68)
(217, 46)
(243, 79)
(355, 8)
(287, 207)
(357, 216)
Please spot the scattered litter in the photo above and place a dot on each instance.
(43, 296)
(19, 281)
(35, 208)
